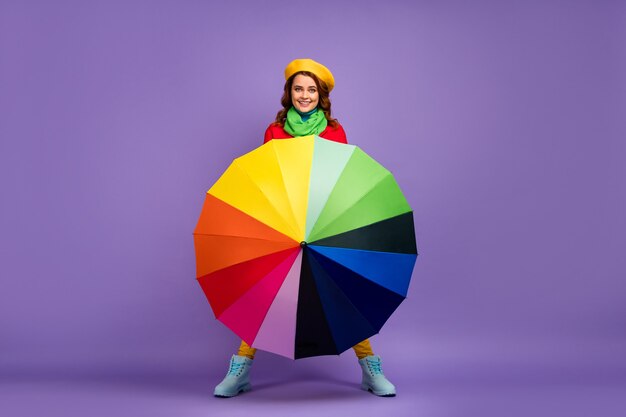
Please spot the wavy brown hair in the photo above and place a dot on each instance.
(324, 99)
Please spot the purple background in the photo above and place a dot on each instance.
(503, 122)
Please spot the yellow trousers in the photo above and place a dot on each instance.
(361, 350)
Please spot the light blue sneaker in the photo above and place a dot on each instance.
(237, 379)
(373, 378)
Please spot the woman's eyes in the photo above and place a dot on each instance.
(311, 91)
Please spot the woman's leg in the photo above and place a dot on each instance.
(373, 378)
(246, 350)
(237, 379)
(363, 349)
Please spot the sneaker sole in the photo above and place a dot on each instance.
(378, 394)
(245, 388)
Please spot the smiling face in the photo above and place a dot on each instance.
(304, 93)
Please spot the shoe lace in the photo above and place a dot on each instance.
(374, 367)
(235, 368)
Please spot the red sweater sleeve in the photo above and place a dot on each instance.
(341, 135)
(268, 134)
(336, 134)
(275, 131)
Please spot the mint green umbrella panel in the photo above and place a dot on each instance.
(348, 190)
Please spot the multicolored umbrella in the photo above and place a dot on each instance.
(305, 247)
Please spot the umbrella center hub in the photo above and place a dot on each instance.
(303, 244)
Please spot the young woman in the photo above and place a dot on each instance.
(306, 111)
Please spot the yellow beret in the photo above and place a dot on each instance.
(309, 65)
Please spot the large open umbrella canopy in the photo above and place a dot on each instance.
(305, 247)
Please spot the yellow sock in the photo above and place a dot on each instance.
(363, 349)
(246, 350)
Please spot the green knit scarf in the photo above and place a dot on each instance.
(314, 125)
